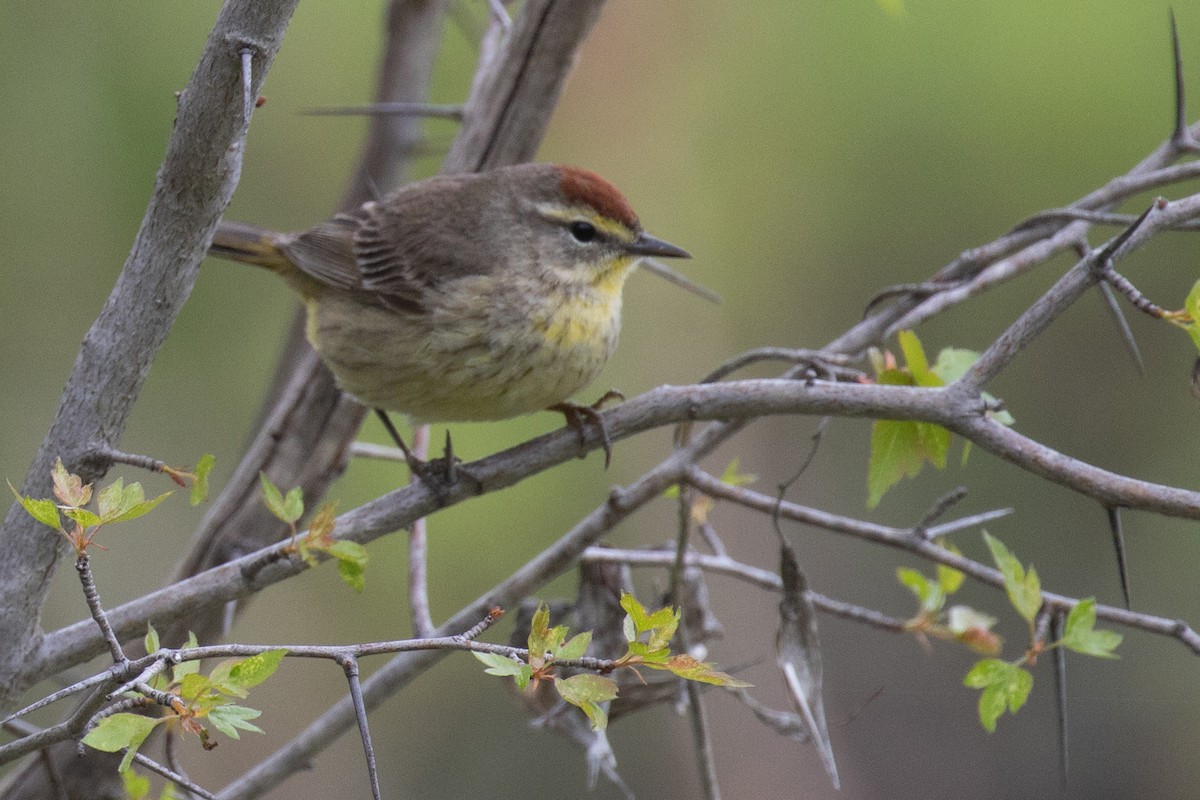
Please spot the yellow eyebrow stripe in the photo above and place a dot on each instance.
(605, 225)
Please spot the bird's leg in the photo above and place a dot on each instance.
(578, 415)
(438, 475)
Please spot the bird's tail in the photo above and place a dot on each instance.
(248, 244)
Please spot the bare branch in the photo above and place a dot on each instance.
(194, 184)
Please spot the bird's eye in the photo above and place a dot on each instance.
(583, 232)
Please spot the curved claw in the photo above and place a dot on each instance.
(578, 415)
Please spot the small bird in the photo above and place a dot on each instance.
(465, 297)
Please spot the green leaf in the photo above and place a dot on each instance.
(588, 691)
(899, 449)
(84, 517)
(44, 511)
(917, 363)
(284, 510)
(200, 478)
(953, 362)
(194, 685)
(689, 668)
(949, 578)
(1023, 587)
(120, 731)
(733, 475)
(661, 624)
(136, 786)
(636, 611)
(501, 665)
(544, 641)
(151, 642)
(929, 593)
(648, 654)
(229, 719)
(352, 574)
(1192, 303)
(140, 506)
(1004, 686)
(506, 667)
(108, 502)
(185, 668)
(250, 672)
(344, 550)
(575, 648)
(293, 504)
(1081, 636)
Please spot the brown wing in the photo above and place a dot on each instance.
(398, 248)
(326, 252)
(422, 236)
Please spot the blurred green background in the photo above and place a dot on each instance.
(808, 154)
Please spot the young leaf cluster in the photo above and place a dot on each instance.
(901, 448)
(648, 636)
(1004, 685)
(959, 623)
(289, 508)
(114, 503)
(190, 699)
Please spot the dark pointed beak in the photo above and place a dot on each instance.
(647, 245)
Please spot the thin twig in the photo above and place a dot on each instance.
(735, 401)
(418, 590)
(1118, 540)
(939, 508)
(1057, 627)
(830, 364)
(115, 456)
(683, 527)
(542, 568)
(1181, 137)
(177, 778)
(671, 275)
(428, 110)
(904, 540)
(1070, 287)
(1131, 293)
(756, 576)
(350, 666)
(84, 568)
(69, 728)
(1118, 318)
(702, 739)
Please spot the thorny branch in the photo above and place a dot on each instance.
(728, 407)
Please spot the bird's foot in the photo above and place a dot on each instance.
(579, 416)
(439, 475)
